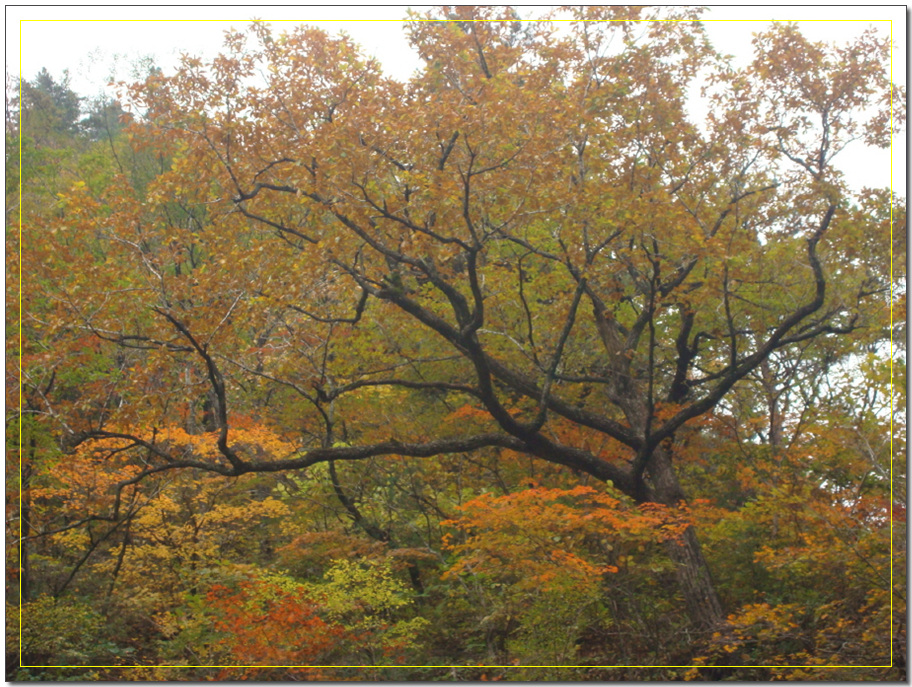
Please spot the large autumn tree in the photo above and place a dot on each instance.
(535, 236)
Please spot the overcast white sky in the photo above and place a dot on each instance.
(92, 41)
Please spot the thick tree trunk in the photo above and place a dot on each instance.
(25, 521)
(696, 584)
(25, 565)
(703, 605)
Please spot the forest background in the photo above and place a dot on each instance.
(506, 367)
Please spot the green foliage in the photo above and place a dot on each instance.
(369, 602)
(53, 631)
(52, 106)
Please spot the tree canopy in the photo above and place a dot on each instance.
(522, 330)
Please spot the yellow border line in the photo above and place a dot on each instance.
(250, 21)
(19, 323)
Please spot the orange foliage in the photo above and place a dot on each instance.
(264, 626)
(555, 536)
